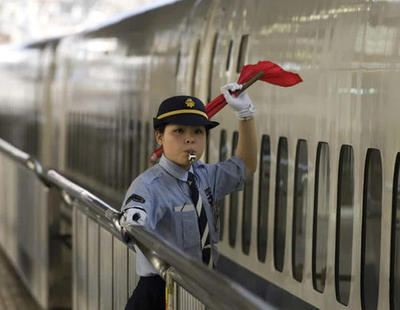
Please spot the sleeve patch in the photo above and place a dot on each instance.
(135, 216)
(135, 198)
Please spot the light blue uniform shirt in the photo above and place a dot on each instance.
(163, 192)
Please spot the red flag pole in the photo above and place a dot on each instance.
(265, 71)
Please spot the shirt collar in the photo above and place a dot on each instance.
(173, 169)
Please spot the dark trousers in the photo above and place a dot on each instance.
(149, 294)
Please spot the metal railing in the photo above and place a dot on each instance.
(213, 289)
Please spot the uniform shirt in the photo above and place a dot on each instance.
(162, 192)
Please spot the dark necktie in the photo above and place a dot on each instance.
(202, 220)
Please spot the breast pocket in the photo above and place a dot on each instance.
(188, 229)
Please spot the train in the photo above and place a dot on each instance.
(317, 226)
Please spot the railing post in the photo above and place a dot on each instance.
(169, 290)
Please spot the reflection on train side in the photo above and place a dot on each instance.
(371, 216)
(117, 139)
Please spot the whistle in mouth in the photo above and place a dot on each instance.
(192, 158)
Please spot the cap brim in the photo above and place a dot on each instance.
(190, 120)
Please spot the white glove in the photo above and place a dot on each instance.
(241, 104)
(135, 216)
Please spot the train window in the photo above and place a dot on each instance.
(344, 224)
(395, 241)
(70, 139)
(247, 210)
(371, 230)
(234, 201)
(119, 152)
(75, 146)
(147, 144)
(138, 143)
(96, 159)
(178, 62)
(91, 149)
(242, 52)
(195, 65)
(263, 198)
(207, 149)
(211, 67)
(114, 150)
(123, 156)
(299, 210)
(74, 141)
(280, 204)
(81, 142)
(110, 152)
(321, 215)
(102, 137)
(229, 56)
(85, 141)
(220, 204)
(131, 145)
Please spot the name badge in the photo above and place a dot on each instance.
(184, 208)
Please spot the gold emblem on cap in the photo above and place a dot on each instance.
(189, 103)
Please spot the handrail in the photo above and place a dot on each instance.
(24, 159)
(213, 289)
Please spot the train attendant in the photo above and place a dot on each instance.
(175, 198)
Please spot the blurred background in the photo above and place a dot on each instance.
(26, 20)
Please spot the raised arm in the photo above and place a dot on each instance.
(247, 142)
(247, 145)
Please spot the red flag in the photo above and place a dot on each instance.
(272, 74)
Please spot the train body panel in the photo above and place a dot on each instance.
(319, 217)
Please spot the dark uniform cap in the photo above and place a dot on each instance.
(182, 110)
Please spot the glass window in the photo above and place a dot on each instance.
(121, 152)
(242, 52)
(207, 149)
(125, 144)
(97, 129)
(86, 149)
(110, 152)
(178, 62)
(299, 210)
(220, 204)
(114, 153)
(321, 216)
(211, 67)
(92, 146)
(280, 204)
(234, 201)
(395, 241)
(131, 145)
(147, 145)
(70, 136)
(263, 198)
(344, 224)
(195, 65)
(247, 210)
(229, 56)
(371, 230)
(137, 144)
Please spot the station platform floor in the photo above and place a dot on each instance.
(13, 294)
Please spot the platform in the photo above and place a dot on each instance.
(13, 294)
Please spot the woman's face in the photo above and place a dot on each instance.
(178, 141)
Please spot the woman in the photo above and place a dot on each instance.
(175, 198)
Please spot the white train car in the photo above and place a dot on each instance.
(318, 225)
